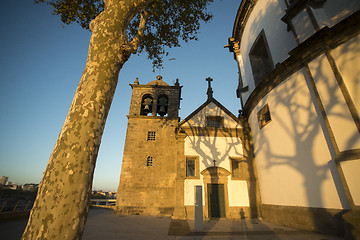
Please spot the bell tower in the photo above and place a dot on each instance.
(148, 172)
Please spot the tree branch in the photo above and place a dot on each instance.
(134, 44)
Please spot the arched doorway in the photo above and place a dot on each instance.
(216, 192)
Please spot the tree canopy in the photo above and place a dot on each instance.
(167, 23)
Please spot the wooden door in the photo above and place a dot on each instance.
(216, 200)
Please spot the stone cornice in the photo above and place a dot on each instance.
(241, 18)
(153, 117)
(298, 5)
(239, 120)
(153, 86)
(212, 132)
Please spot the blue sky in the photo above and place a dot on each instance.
(41, 63)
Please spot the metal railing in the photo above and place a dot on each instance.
(12, 206)
(103, 202)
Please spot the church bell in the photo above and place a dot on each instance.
(162, 106)
(147, 105)
(162, 111)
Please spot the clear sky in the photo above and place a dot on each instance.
(41, 63)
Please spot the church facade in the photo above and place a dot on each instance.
(165, 159)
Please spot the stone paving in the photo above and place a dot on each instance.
(103, 224)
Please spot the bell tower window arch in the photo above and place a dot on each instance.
(146, 105)
(162, 105)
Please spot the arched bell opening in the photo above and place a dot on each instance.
(146, 105)
(162, 105)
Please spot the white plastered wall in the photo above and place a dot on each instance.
(347, 58)
(221, 149)
(337, 111)
(292, 157)
(333, 11)
(351, 171)
(303, 25)
(238, 193)
(189, 191)
(209, 148)
(266, 15)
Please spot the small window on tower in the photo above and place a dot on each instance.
(264, 116)
(149, 161)
(151, 136)
(214, 121)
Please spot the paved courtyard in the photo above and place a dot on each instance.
(103, 224)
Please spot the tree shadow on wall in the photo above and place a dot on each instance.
(296, 117)
(221, 144)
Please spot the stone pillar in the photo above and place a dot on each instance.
(179, 211)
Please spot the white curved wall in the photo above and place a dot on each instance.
(352, 176)
(348, 65)
(337, 111)
(293, 161)
(334, 11)
(266, 15)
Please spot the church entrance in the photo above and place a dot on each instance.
(216, 200)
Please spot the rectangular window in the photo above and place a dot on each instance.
(151, 136)
(264, 116)
(214, 121)
(260, 58)
(190, 168)
(235, 168)
(149, 161)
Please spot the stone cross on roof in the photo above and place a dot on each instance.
(209, 91)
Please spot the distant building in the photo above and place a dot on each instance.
(3, 180)
(108, 195)
(29, 187)
(12, 186)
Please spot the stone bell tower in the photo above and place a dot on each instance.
(147, 180)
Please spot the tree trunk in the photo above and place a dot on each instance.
(61, 206)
